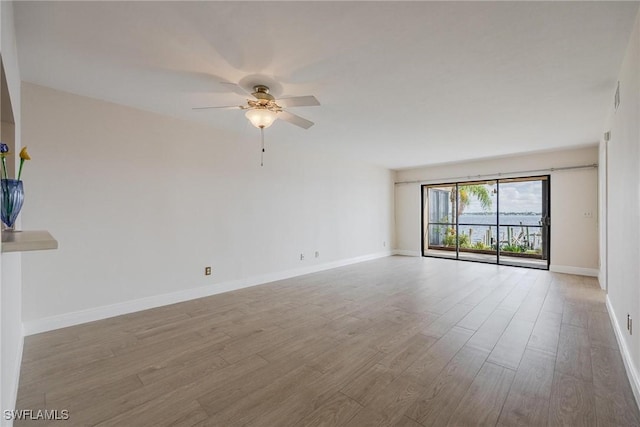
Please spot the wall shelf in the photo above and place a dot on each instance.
(28, 240)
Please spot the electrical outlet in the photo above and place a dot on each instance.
(384, 244)
(207, 271)
(317, 254)
(630, 326)
(301, 257)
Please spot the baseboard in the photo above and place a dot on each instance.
(406, 253)
(632, 373)
(580, 271)
(602, 279)
(16, 383)
(98, 313)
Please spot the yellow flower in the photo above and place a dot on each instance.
(24, 155)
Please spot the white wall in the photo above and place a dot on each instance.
(11, 337)
(602, 212)
(141, 203)
(623, 208)
(574, 238)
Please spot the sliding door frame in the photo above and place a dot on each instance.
(545, 227)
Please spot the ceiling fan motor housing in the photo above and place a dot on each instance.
(262, 92)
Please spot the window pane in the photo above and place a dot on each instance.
(521, 203)
(441, 207)
(477, 202)
(441, 241)
(522, 245)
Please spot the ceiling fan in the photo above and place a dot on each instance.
(265, 109)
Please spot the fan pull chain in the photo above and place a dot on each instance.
(262, 141)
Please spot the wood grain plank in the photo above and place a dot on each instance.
(528, 401)
(574, 352)
(107, 391)
(406, 422)
(369, 384)
(261, 401)
(572, 402)
(531, 306)
(371, 417)
(236, 384)
(483, 310)
(436, 406)
(427, 367)
(511, 345)
(299, 349)
(514, 300)
(390, 405)
(338, 410)
(613, 412)
(600, 330)
(448, 320)
(342, 374)
(159, 413)
(575, 314)
(609, 373)
(402, 357)
(483, 401)
(491, 330)
(407, 332)
(131, 362)
(615, 403)
(165, 368)
(546, 332)
(197, 378)
(554, 302)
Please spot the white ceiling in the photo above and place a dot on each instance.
(401, 83)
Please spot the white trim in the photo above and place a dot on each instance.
(602, 279)
(632, 373)
(16, 381)
(580, 271)
(404, 252)
(97, 313)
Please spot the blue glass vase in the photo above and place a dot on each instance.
(12, 197)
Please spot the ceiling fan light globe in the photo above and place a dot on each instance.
(261, 118)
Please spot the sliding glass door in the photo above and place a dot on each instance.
(477, 221)
(503, 221)
(441, 228)
(524, 222)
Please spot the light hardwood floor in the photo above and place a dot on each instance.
(398, 341)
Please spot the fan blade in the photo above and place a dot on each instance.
(230, 107)
(298, 101)
(295, 120)
(236, 88)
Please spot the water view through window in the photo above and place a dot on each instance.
(496, 221)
